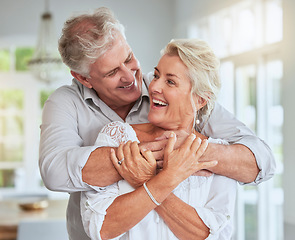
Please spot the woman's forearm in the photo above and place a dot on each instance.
(129, 209)
(125, 212)
(182, 219)
(234, 161)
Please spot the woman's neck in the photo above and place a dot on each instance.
(148, 132)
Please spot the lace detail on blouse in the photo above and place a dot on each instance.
(116, 131)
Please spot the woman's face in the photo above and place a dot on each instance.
(170, 95)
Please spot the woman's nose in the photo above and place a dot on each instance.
(156, 85)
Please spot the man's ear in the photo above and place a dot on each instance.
(81, 79)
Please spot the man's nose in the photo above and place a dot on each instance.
(127, 73)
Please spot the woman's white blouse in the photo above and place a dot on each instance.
(212, 197)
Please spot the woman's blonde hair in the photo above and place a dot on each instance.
(86, 37)
(203, 69)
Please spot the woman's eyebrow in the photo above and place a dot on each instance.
(172, 75)
(168, 74)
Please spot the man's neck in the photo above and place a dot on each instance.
(123, 111)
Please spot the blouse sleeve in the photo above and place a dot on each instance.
(218, 212)
(94, 203)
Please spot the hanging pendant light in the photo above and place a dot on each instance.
(46, 64)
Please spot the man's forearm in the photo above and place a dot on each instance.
(234, 161)
(99, 170)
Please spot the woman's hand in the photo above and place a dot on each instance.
(181, 136)
(136, 168)
(184, 161)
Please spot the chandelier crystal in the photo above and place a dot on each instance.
(46, 64)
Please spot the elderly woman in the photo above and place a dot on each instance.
(171, 203)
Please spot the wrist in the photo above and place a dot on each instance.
(151, 195)
(168, 179)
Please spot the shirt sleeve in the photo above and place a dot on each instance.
(61, 153)
(218, 212)
(222, 124)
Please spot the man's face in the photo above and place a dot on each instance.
(116, 76)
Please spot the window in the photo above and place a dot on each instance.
(12, 134)
(247, 37)
(21, 101)
(4, 60)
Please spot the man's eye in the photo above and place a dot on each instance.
(129, 59)
(112, 73)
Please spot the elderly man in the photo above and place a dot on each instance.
(108, 86)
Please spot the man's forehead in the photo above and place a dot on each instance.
(117, 53)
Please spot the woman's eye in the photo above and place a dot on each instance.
(170, 82)
(156, 76)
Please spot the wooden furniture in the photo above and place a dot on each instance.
(11, 215)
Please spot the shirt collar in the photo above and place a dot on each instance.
(90, 94)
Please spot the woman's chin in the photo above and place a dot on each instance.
(156, 121)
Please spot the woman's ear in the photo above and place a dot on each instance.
(199, 101)
(81, 79)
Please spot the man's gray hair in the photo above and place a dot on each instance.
(86, 37)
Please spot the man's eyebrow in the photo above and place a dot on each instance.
(156, 69)
(128, 58)
(109, 72)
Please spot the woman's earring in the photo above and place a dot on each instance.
(197, 118)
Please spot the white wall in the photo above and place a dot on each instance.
(289, 116)
(149, 24)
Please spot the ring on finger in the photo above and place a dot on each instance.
(120, 161)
